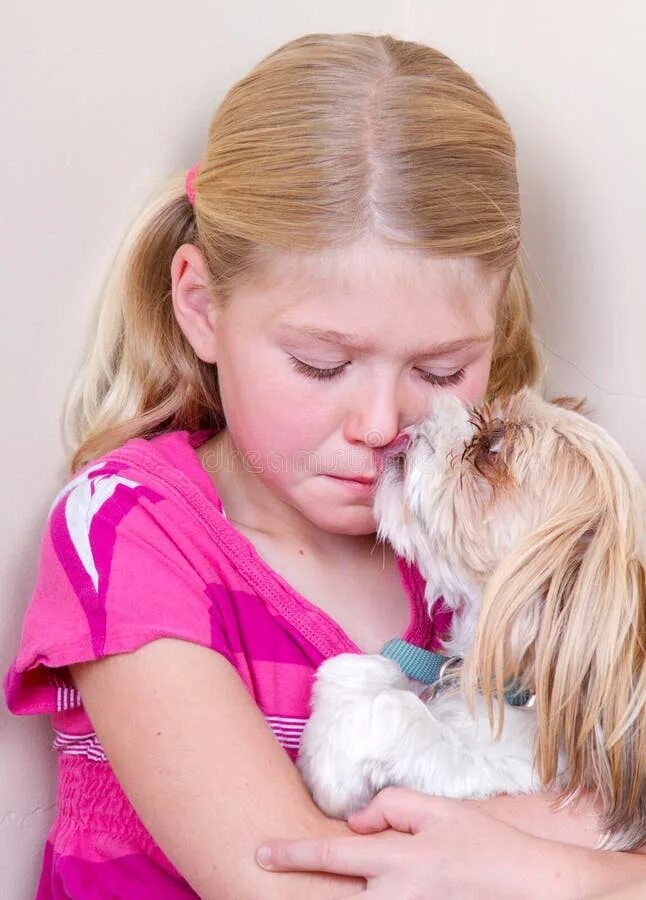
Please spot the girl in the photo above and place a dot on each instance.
(347, 248)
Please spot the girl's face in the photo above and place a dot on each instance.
(328, 358)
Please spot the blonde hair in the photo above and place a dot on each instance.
(329, 138)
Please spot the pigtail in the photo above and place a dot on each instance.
(516, 359)
(140, 375)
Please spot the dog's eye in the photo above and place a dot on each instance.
(492, 440)
(484, 451)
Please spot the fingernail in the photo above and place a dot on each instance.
(263, 856)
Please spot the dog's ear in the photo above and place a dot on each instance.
(576, 404)
(565, 616)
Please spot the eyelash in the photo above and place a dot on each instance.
(328, 374)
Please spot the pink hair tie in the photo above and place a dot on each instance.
(190, 183)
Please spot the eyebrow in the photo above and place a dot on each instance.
(330, 336)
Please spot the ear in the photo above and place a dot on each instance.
(193, 301)
(565, 615)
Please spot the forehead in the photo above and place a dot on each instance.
(369, 262)
(372, 289)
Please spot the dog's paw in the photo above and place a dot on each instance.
(356, 674)
(398, 718)
(399, 709)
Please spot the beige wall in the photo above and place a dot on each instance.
(103, 99)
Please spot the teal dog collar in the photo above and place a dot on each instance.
(429, 667)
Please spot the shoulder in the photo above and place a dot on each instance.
(135, 523)
(125, 558)
(146, 488)
(163, 466)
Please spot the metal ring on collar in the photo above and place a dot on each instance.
(445, 669)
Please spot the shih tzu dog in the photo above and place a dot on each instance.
(530, 522)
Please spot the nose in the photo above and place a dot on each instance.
(382, 412)
(376, 415)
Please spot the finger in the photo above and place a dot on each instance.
(340, 856)
(398, 808)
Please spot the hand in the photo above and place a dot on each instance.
(431, 844)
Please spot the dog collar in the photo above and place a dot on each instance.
(429, 667)
(422, 665)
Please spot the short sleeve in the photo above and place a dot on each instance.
(116, 570)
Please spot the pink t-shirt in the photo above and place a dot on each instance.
(136, 547)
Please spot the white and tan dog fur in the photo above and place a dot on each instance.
(530, 521)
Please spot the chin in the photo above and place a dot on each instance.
(351, 521)
(329, 515)
(530, 522)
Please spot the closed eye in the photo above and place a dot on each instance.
(335, 371)
(314, 372)
(433, 378)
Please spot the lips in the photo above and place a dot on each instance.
(362, 479)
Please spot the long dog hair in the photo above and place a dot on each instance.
(540, 515)
(530, 522)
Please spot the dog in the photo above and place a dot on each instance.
(530, 522)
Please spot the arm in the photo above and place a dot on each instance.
(634, 891)
(435, 844)
(539, 815)
(203, 770)
(620, 874)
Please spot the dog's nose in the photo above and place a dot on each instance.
(392, 456)
(400, 444)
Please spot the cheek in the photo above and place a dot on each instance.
(260, 413)
(473, 387)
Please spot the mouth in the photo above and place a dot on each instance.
(358, 486)
(360, 479)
